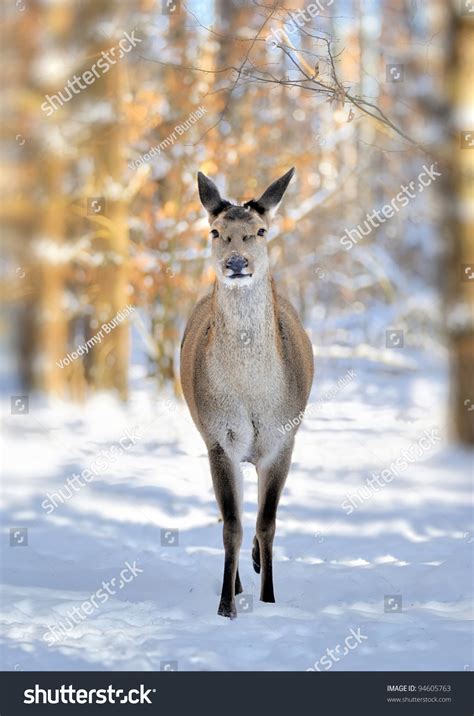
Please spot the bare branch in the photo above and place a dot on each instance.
(307, 79)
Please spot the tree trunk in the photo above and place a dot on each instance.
(109, 292)
(461, 288)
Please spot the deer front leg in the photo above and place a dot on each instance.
(271, 480)
(238, 584)
(225, 483)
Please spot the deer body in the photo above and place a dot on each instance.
(246, 370)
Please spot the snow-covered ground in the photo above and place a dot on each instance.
(334, 572)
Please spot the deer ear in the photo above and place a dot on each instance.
(272, 196)
(209, 195)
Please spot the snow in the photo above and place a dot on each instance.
(412, 537)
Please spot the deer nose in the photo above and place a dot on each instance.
(236, 264)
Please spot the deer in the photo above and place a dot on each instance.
(246, 369)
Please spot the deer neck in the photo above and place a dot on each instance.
(244, 316)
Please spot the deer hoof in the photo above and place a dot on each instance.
(227, 609)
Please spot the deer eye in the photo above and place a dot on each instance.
(215, 234)
(261, 232)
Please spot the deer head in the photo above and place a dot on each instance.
(238, 232)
